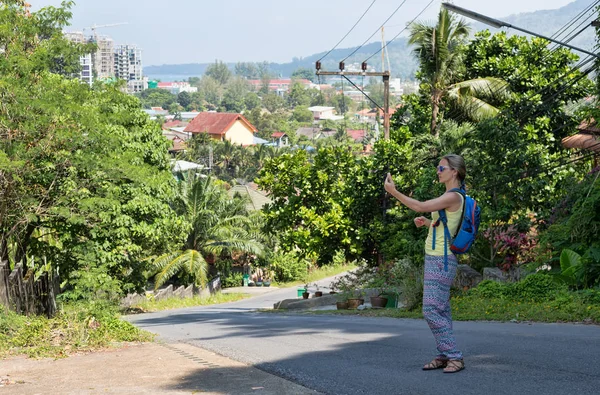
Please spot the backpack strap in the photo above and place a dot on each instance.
(444, 220)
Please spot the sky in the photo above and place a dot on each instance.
(201, 31)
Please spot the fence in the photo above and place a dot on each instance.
(26, 295)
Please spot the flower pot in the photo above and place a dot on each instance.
(378, 302)
(305, 295)
(300, 291)
(341, 305)
(318, 294)
(266, 284)
(355, 302)
(259, 284)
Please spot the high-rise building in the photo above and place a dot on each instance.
(128, 67)
(103, 59)
(86, 74)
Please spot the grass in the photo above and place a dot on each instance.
(318, 274)
(76, 328)
(178, 303)
(84, 327)
(569, 308)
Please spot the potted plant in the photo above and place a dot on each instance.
(379, 301)
(356, 299)
(342, 301)
(305, 294)
(318, 292)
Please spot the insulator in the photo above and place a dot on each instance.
(318, 65)
(342, 66)
(363, 66)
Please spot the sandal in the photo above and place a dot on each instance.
(437, 363)
(454, 365)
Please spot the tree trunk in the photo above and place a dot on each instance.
(21, 253)
(435, 110)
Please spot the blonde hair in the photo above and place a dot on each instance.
(457, 163)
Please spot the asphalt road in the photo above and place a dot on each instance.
(363, 355)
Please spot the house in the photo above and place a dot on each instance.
(223, 126)
(280, 86)
(322, 113)
(357, 135)
(280, 139)
(311, 133)
(588, 139)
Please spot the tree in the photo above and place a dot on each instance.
(235, 92)
(247, 70)
(184, 99)
(298, 95)
(251, 100)
(438, 49)
(85, 176)
(211, 90)
(304, 73)
(273, 102)
(157, 98)
(219, 72)
(302, 114)
(219, 225)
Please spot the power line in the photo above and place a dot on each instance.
(400, 32)
(376, 31)
(346, 35)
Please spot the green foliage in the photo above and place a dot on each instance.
(85, 173)
(76, 328)
(232, 280)
(535, 287)
(289, 267)
(219, 72)
(219, 227)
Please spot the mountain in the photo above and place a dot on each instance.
(402, 62)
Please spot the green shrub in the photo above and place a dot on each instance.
(288, 267)
(538, 287)
(232, 280)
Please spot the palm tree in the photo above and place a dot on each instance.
(438, 51)
(219, 225)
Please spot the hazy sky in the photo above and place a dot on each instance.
(200, 31)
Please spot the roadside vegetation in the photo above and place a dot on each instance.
(87, 188)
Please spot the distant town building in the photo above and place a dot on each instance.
(103, 59)
(280, 86)
(86, 74)
(177, 87)
(321, 113)
(223, 126)
(128, 67)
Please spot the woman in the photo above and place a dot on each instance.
(436, 291)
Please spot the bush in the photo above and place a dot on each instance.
(536, 287)
(232, 280)
(289, 267)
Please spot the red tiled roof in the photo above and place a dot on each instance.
(356, 134)
(216, 123)
(277, 134)
(582, 141)
(173, 124)
(589, 126)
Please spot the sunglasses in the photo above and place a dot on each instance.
(441, 169)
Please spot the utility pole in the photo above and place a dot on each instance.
(365, 73)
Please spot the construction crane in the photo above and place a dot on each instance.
(93, 28)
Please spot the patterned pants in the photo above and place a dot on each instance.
(436, 303)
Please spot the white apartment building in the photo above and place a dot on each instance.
(86, 74)
(128, 67)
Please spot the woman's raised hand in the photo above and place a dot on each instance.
(389, 184)
(420, 221)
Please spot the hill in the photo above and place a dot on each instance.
(403, 63)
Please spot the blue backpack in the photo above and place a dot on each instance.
(467, 229)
